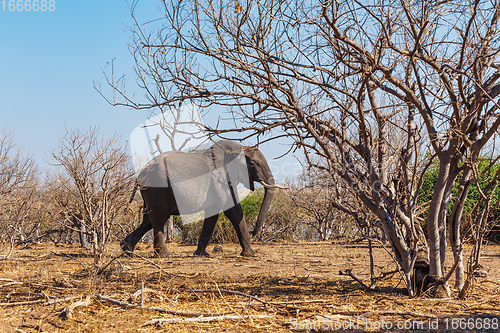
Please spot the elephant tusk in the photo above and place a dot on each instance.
(266, 185)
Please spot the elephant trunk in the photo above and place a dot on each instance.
(266, 204)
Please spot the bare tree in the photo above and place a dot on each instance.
(16, 168)
(94, 184)
(18, 191)
(375, 89)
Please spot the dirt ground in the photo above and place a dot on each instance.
(289, 287)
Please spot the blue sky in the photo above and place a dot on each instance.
(48, 64)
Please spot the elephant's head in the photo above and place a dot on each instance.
(258, 171)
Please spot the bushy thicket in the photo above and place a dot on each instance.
(224, 231)
(487, 172)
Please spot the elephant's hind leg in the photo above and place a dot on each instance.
(235, 215)
(206, 234)
(155, 201)
(129, 243)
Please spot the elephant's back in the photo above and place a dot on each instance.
(153, 174)
(172, 168)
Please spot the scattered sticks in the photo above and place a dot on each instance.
(67, 313)
(382, 276)
(59, 300)
(9, 282)
(195, 294)
(224, 291)
(7, 305)
(208, 319)
(47, 302)
(349, 273)
(142, 294)
(101, 270)
(158, 266)
(133, 306)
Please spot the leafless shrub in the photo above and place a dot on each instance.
(328, 207)
(93, 185)
(283, 220)
(18, 190)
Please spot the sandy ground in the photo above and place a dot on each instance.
(289, 287)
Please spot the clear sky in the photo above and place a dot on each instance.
(48, 64)
(49, 61)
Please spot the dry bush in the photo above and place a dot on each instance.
(283, 220)
(18, 192)
(328, 206)
(93, 185)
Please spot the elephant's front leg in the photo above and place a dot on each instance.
(235, 215)
(206, 234)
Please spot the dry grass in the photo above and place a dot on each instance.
(290, 283)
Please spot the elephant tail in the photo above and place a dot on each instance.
(132, 195)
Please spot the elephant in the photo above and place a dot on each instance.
(179, 183)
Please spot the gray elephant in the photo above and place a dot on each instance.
(179, 183)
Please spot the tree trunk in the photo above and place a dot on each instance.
(82, 234)
(436, 220)
(455, 237)
(169, 233)
(435, 216)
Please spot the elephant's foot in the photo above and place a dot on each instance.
(201, 253)
(126, 246)
(248, 253)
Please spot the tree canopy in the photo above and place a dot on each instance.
(365, 87)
